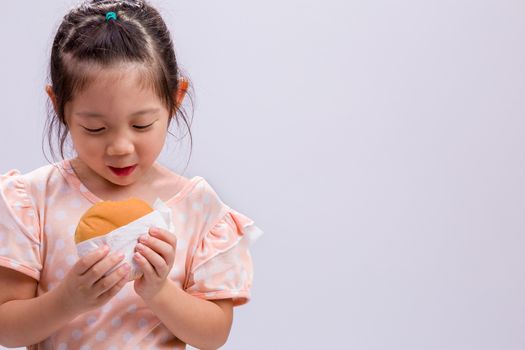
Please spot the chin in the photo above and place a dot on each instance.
(121, 183)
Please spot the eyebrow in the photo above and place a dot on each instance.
(97, 115)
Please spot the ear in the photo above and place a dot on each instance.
(52, 97)
(181, 91)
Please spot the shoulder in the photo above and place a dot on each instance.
(18, 202)
(33, 190)
(13, 190)
(203, 195)
(33, 181)
(218, 220)
(195, 190)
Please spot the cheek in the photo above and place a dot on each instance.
(160, 133)
(159, 140)
(153, 142)
(90, 150)
(84, 143)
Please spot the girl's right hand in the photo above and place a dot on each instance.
(84, 287)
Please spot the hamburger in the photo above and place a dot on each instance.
(106, 216)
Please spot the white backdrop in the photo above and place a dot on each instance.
(379, 144)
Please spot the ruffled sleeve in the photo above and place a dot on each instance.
(19, 227)
(222, 265)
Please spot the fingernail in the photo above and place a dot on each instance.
(144, 238)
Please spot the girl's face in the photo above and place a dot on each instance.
(116, 123)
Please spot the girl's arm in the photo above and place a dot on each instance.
(24, 318)
(200, 323)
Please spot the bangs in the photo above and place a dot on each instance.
(80, 74)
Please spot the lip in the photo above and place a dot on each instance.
(122, 171)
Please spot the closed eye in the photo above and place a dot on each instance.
(93, 130)
(140, 127)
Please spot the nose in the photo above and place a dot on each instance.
(120, 146)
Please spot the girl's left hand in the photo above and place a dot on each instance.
(155, 254)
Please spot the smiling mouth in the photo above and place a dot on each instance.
(123, 171)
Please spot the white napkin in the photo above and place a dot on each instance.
(125, 238)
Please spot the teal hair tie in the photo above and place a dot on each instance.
(111, 15)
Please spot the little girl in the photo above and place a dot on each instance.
(115, 87)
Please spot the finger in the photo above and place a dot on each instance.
(98, 270)
(106, 283)
(110, 293)
(144, 265)
(157, 261)
(161, 247)
(87, 261)
(164, 235)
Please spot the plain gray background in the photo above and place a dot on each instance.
(379, 145)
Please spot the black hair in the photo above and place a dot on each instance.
(86, 39)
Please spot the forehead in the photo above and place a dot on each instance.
(125, 76)
(125, 85)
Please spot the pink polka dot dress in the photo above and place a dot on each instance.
(39, 212)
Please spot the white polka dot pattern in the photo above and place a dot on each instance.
(126, 337)
(77, 333)
(116, 322)
(38, 220)
(101, 335)
(222, 261)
